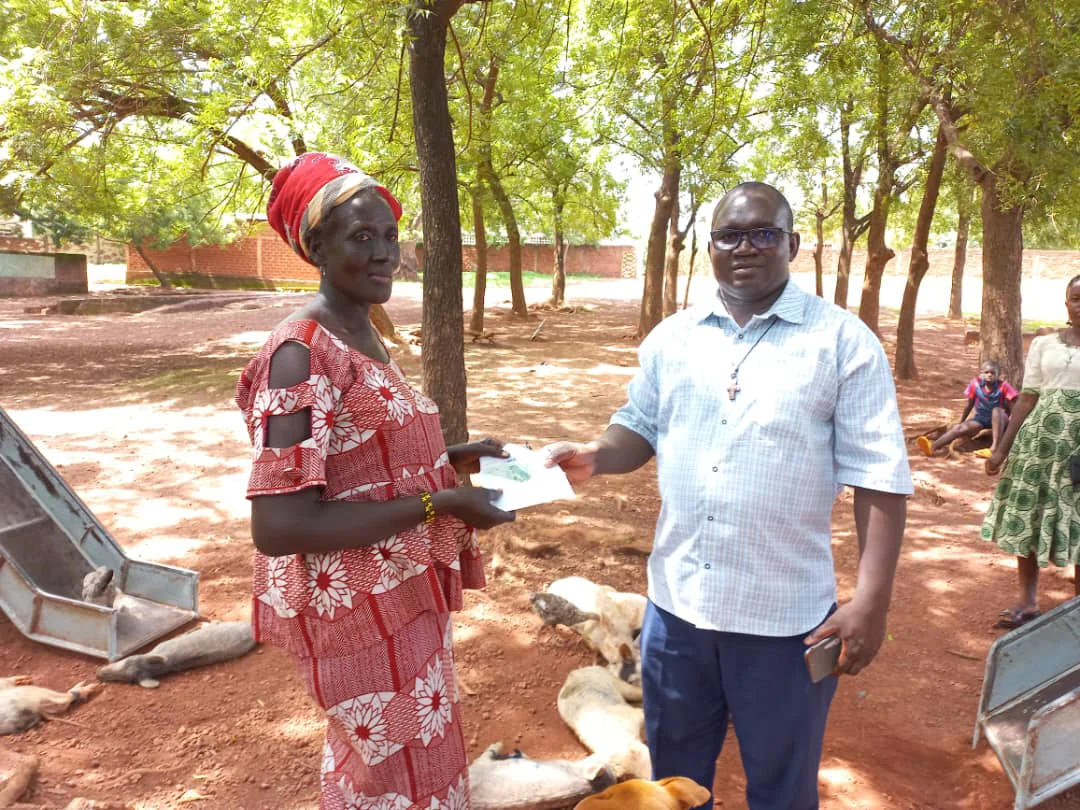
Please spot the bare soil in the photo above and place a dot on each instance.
(136, 412)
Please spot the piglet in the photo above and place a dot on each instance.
(515, 782)
(210, 644)
(22, 706)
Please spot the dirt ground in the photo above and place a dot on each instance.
(136, 412)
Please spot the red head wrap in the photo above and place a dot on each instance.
(306, 190)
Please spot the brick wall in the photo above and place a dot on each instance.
(260, 259)
(593, 260)
(1037, 263)
(263, 259)
(17, 244)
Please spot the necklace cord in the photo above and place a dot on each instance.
(735, 371)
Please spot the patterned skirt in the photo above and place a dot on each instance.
(394, 738)
(1035, 510)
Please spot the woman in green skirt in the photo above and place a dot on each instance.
(1035, 511)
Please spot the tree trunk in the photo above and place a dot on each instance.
(476, 322)
(163, 279)
(843, 267)
(904, 365)
(486, 169)
(819, 254)
(443, 358)
(652, 305)
(1002, 251)
(847, 224)
(878, 254)
(380, 319)
(558, 273)
(963, 227)
(690, 271)
(671, 262)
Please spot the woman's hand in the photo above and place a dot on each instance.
(465, 458)
(994, 463)
(472, 505)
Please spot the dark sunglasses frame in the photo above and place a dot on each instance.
(760, 238)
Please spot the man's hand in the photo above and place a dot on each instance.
(861, 628)
(465, 458)
(578, 461)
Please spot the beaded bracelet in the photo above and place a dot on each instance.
(429, 507)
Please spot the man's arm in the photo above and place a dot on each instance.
(860, 623)
(619, 450)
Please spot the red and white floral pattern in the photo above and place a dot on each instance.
(369, 626)
(365, 725)
(276, 584)
(398, 406)
(433, 702)
(395, 564)
(329, 583)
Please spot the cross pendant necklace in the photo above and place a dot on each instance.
(734, 388)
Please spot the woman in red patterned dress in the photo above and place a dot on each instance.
(364, 540)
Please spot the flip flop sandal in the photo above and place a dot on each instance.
(984, 452)
(1011, 619)
(926, 446)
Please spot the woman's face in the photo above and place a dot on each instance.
(357, 246)
(1072, 303)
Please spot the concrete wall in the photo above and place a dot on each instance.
(28, 274)
(263, 259)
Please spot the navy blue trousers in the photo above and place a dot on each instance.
(694, 679)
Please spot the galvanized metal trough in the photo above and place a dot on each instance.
(1030, 706)
(50, 540)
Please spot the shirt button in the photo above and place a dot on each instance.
(723, 421)
(739, 336)
(710, 517)
(715, 469)
(707, 566)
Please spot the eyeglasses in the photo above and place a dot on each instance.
(760, 238)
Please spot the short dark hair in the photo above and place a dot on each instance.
(1073, 280)
(756, 186)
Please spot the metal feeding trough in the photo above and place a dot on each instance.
(1030, 706)
(50, 540)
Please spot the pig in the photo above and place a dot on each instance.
(594, 703)
(98, 587)
(515, 782)
(614, 633)
(23, 706)
(210, 644)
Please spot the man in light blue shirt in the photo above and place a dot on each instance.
(759, 407)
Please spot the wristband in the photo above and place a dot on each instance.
(429, 507)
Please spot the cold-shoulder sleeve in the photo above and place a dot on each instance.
(278, 471)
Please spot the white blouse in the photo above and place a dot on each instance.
(1051, 364)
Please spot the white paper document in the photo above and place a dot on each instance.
(523, 478)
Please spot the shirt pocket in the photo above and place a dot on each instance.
(798, 392)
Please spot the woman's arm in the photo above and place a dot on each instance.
(301, 523)
(1025, 404)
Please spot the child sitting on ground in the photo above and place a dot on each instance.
(992, 399)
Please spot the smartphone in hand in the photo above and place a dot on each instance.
(822, 658)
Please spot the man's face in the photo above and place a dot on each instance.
(748, 273)
(988, 374)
